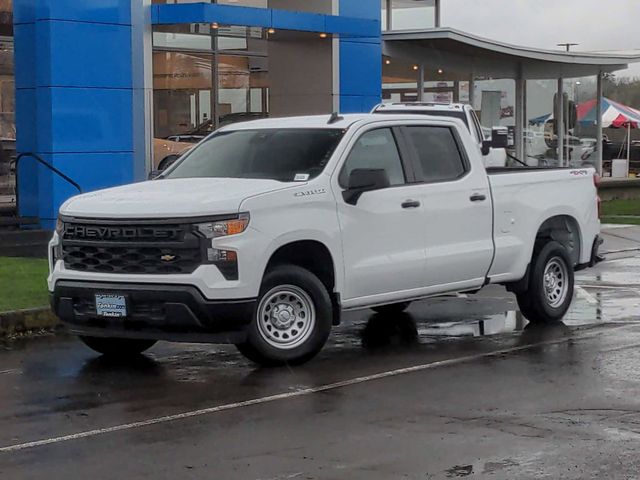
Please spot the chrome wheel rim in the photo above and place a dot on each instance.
(556, 282)
(286, 317)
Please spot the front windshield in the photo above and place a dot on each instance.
(285, 155)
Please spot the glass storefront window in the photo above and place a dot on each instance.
(206, 77)
(412, 14)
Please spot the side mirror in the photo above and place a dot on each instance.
(363, 180)
(154, 174)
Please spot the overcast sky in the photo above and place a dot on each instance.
(594, 24)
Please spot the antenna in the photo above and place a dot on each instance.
(335, 117)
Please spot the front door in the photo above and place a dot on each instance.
(383, 234)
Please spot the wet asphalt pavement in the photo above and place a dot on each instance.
(458, 387)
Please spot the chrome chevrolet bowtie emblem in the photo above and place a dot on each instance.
(168, 258)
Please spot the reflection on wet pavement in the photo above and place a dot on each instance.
(428, 321)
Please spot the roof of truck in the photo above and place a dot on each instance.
(319, 121)
(312, 121)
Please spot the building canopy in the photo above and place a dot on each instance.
(462, 55)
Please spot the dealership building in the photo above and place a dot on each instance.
(105, 90)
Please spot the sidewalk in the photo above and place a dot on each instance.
(620, 238)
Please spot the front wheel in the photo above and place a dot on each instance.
(117, 347)
(292, 321)
(550, 285)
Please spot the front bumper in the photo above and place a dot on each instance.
(161, 312)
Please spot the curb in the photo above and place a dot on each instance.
(21, 321)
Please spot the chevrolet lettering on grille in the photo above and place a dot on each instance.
(91, 232)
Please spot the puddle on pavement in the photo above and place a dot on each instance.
(419, 325)
(623, 271)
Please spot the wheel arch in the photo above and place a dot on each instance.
(562, 228)
(316, 257)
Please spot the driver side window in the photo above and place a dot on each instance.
(375, 149)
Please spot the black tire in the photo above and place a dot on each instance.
(392, 309)
(167, 162)
(265, 343)
(117, 347)
(536, 304)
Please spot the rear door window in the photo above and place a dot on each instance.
(438, 154)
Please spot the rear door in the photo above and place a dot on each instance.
(458, 217)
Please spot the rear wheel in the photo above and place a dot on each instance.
(391, 309)
(551, 284)
(292, 321)
(117, 347)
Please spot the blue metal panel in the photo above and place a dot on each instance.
(84, 54)
(353, 27)
(358, 25)
(91, 171)
(370, 9)
(360, 68)
(26, 120)
(28, 186)
(25, 55)
(94, 11)
(84, 120)
(308, 22)
(351, 104)
(24, 11)
(208, 13)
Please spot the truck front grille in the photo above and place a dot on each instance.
(130, 248)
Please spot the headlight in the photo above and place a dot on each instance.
(59, 227)
(224, 228)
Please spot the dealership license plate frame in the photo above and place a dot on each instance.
(111, 305)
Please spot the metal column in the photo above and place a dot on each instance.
(599, 136)
(560, 121)
(389, 15)
(438, 14)
(421, 82)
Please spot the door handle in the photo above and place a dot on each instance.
(478, 197)
(410, 204)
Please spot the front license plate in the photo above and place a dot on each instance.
(108, 305)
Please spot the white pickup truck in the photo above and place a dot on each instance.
(267, 230)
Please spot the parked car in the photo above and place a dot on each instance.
(266, 231)
(167, 151)
(496, 157)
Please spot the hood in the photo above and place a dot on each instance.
(170, 198)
